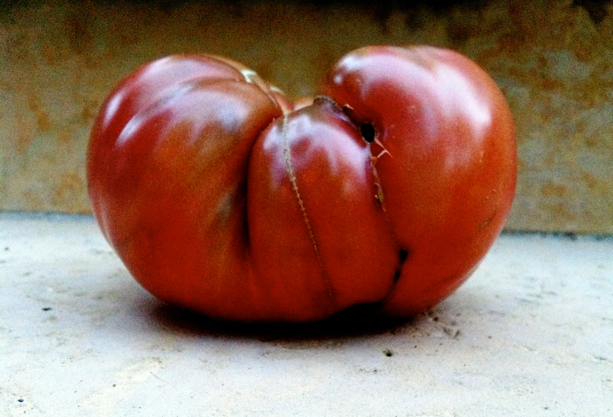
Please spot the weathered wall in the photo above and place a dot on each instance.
(553, 60)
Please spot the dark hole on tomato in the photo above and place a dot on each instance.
(368, 132)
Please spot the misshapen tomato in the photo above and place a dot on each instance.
(388, 190)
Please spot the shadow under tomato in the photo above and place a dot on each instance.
(358, 321)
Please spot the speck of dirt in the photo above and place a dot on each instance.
(388, 353)
(46, 308)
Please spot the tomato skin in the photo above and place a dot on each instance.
(137, 91)
(220, 196)
(302, 167)
(174, 196)
(449, 177)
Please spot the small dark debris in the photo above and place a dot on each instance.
(388, 353)
(20, 400)
(6, 248)
(46, 308)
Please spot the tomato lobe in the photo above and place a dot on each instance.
(450, 141)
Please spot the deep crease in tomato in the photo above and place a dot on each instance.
(375, 145)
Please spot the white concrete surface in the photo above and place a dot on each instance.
(530, 334)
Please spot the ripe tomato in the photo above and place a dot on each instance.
(386, 190)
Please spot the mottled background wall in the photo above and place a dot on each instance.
(553, 60)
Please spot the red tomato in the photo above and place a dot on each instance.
(387, 190)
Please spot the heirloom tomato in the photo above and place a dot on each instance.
(386, 190)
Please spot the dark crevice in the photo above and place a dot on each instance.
(397, 274)
(403, 254)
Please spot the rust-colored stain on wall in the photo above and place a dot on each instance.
(552, 59)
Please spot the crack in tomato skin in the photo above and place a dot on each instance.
(292, 177)
(402, 253)
(374, 144)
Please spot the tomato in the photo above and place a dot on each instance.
(386, 190)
